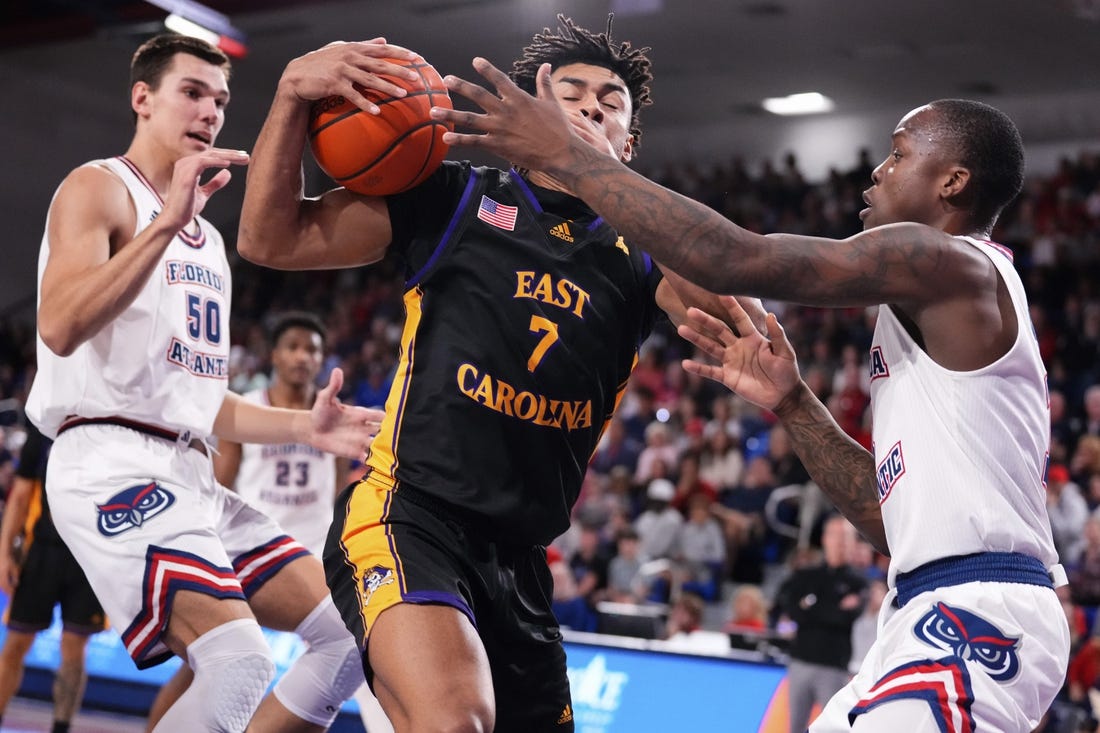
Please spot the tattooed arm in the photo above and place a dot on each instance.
(763, 370)
(843, 468)
(906, 264)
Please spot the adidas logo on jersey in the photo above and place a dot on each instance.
(561, 231)
(566, 715)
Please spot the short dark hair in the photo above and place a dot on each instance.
(575, 45)
(296, 319)
(987, 143)
(153, 57)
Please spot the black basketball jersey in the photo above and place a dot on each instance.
(524, 314)
(32, 466)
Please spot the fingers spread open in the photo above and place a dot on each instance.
(703, 342)
(738, 317)
(500, 81)
(476, 93)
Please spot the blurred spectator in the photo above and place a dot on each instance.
(721, 462)
(659, 525)
(371, 389)
(624, 581)
(689, 483)
(1085, 462)
(616, 449)
(741, 510)
(659, 450)
(748, 610)
(824, 602)
(1084, 673)
(865, 560)
(639, 409)
(684, 630)
(570, 608)
(1084, 574)
(685, 616)
(1089, 422)
(1061, 435)
(589, 563)
(787, 467)
(865, 628)
(1068, 512)
(700, 549)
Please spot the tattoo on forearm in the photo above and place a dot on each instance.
(713, 252)
(841, 467)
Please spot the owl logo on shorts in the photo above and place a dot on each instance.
(132, 508)
(970, 637)
(374, 579)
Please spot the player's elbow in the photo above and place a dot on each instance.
(251, 245)
(58, 335)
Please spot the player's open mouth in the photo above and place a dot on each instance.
(201, 138)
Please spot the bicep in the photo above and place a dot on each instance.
(338, 229)
(898, 263)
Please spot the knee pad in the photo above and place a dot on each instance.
(328, 672)
(233, 668)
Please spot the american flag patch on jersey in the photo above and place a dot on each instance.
(496, 214)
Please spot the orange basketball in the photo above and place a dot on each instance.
(387, 153)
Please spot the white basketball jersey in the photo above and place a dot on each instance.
(292, 483)
(165, 359)
(961, 456)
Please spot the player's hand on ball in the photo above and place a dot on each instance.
(347, 69)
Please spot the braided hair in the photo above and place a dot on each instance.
(575, 45)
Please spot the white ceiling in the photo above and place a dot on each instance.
(1039, 60)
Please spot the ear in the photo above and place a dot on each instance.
(628, 149)
(958, 178)
(139, 97)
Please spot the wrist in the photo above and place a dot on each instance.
(301, 427)
(791, 402)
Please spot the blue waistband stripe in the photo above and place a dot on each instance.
(994, 567)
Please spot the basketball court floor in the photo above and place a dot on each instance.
(25, 715)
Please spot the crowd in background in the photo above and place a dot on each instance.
(695, 503)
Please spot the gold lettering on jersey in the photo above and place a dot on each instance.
(502, 397)
(544, 288)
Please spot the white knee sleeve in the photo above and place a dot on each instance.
(233, 668)
(329, 671)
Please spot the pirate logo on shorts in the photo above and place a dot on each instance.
(970, 637)
(374, 579)
(132, 508)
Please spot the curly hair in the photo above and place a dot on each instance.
(572, 45)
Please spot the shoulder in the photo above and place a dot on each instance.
(93, 187)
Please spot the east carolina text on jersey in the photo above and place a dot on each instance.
(502, 397)
(517, 346)
(544, 287)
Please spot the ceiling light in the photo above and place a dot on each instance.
(190, 18)
(185, 27)
(804, 103)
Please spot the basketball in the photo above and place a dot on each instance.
(383, 154)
